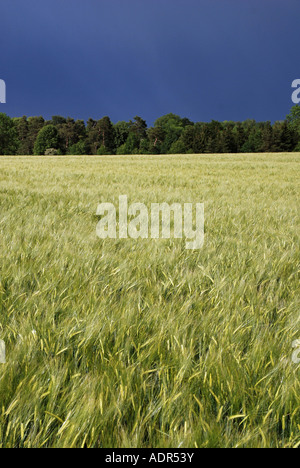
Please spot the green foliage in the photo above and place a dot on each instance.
(138, 127)
(52, 152)
(102, 151)
(121, 149)
(101, 133)
(107, 135)
(253, 143)
(121, 133)
(22, 127)
(47, 138)
(35, 124)
(178, 147)
(156, 136)
(70, 133)
(132, 144)
(144, 146)
(297, 148)
(172, 125)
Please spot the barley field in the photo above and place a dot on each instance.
(142, 343)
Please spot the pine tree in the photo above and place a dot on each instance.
(47, 138)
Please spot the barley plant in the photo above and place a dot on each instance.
(142, 343)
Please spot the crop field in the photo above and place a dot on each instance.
(143, 343)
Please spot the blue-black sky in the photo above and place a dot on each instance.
(201, 59)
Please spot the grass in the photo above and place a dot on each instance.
(125, 343)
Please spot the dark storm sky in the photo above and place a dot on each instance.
(201, 59)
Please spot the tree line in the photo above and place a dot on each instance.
(170, 134)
